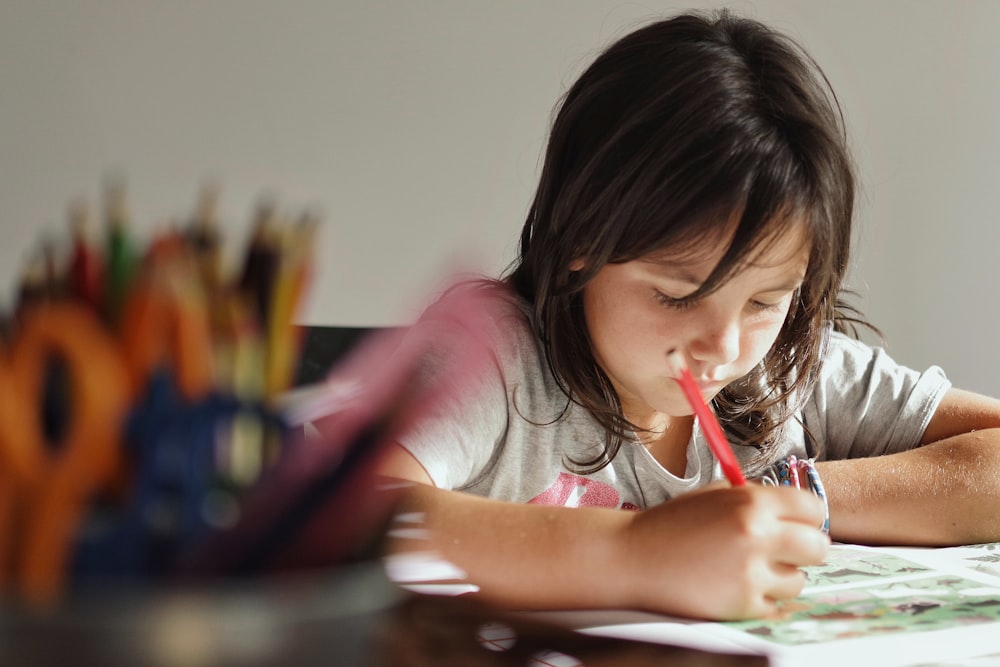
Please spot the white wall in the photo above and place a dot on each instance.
(416, 126)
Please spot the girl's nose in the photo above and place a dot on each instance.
(717, 343)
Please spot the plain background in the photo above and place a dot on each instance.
(416, 128)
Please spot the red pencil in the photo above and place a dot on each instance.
(709, 424)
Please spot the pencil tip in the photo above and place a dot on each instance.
(675, 361)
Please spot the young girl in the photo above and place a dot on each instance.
(697, 194)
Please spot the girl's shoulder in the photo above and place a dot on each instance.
(480, 312)
(843, 352)
(847, 358)
(855, 365)
(840, 347)
(500, 313)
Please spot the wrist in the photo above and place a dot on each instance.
(622, 552)
(801, 474)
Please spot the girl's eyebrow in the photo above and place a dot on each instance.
(683, 274)
(675, 269)
(687, 277)
(786, 287)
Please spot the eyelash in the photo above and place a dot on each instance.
(684, 304)
(762, 307)
(671, 302)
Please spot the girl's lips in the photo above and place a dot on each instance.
(709, 388)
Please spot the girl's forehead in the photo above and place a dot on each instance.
(708, 244)
(785, 243)
(790, 243)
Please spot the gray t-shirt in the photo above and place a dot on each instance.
(513, 434)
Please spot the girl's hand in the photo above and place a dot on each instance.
(724, 552)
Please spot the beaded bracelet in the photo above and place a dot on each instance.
(802, 474)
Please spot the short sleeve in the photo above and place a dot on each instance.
(457, 436)
(865, 404)
(456, 439)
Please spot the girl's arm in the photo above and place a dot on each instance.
(945, 492)
(720, 553)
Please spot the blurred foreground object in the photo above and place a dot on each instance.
(138, 393)
(354, 617)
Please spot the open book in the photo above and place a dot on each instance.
(864, 606)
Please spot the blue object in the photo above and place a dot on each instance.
(176, 448)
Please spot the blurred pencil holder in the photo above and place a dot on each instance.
(140, 388)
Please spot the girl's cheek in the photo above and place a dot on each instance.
(760, 341)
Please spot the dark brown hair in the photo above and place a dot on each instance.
(673, 131)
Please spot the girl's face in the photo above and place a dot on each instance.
(633, 321)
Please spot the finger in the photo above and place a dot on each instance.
(764, 607)
(799, 505)
(777, 586)
(772, 603)
(786, 582)
(797, 545)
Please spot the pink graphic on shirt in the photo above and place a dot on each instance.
(573, 491)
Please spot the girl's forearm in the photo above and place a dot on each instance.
(746, 543)
(523, 556)
(944, 493)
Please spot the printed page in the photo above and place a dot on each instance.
(885, 606)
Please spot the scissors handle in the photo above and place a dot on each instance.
(8, 526)
(55, 481)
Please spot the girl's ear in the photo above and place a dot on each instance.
(577, 264)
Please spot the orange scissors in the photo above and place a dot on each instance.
(47, 486)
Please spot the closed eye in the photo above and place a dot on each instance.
(775, 303)
(682, 303)
(765, 307)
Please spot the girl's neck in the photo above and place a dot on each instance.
(668, 441)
